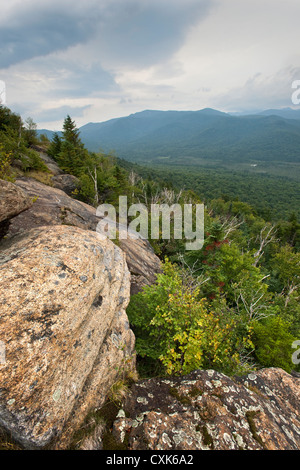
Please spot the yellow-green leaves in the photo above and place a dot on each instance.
(175, 325)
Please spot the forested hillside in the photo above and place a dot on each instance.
(273, 197)
(194, 135)
(232, 306)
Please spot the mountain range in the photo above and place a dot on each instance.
(187, 137)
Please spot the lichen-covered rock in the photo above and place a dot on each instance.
(207, 410)
(66, 334)
(53, 206)
(13, 201)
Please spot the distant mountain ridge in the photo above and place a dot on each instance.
(177, 137)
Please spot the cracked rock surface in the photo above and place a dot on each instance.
(63, 297)
(206, 410)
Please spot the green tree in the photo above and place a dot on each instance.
(273, 343)
(179, 328)
(5, 162)
(31, 132)
(54, 148)
(286, 264)
(72, 153)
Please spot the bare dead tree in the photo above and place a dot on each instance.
(255, 309)
(133, 179)
(161, 196)
(290, 288)
(266, 236)
(189, 274)
(230, 225)
(94, 179)
(169, 196)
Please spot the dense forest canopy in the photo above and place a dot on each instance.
(233, 305)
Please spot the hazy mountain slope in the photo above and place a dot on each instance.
(193, 135)
(287, 113)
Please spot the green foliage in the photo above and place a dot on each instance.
(179, 329)
(287, 266)
(273, 343)
(72, 153)
(30, 132)
(54, 148)
(100, 178)
(193, 136)
(271, 197)
(5, 162)
(16, 140)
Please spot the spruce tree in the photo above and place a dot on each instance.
(72, 153)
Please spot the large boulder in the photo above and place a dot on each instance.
(207, 410)
(53, 206)
(67, 183)
(63, 324)
(13, 201)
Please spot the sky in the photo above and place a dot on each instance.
(100, 59)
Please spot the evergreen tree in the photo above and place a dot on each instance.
(71, 133)
(72, 152)
(54, 148)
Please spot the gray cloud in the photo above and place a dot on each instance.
(127, 30)
(40, 29)
(146, 32)
(123, 56)
(260, 92)
(71, 78)
(56, 114)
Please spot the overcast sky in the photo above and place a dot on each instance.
(101, 59)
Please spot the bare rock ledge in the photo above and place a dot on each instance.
(66, 334)
(207, 410)
(13, 201)
(53, 206)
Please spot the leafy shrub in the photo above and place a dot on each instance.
(5, 162)
(175, 326)
(273, 343)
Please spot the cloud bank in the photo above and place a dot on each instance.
(108, 58)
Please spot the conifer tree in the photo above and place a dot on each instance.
(73, 154)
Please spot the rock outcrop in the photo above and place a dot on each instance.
(66, 334)
(49, 162)
(142, 263)
(207, 410)
(67, 183)
(13, 201)
(53, 206)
